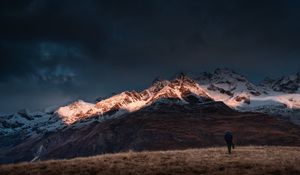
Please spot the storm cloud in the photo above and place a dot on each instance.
(56, 51)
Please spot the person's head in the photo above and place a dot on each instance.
(228, 132)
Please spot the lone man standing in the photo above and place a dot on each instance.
(228, 138)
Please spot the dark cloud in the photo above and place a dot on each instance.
(59, 50)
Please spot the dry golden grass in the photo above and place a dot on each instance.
(244, 160)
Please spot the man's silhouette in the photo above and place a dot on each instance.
(228, 138)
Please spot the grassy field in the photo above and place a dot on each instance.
(243, 160)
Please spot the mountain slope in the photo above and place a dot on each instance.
(181, 113)
(221, 85)
(160, 126)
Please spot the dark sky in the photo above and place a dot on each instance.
(56, 51)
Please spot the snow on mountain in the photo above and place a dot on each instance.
(27, 123)
(181, 89)
(280, 97)
(228, 82)
(77, 110)
(286, 84)
(276, 97)
(228, 86)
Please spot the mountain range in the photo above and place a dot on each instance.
(185, 112)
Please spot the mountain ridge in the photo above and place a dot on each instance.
(202, 102)
(223, 85)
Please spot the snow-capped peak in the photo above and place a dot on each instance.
(225, 84)
(76, 110)
(179, 89)
(287, 84)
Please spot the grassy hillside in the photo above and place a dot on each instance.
(244, 160)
